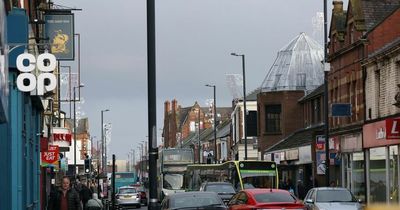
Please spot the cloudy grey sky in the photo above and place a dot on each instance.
(194, 42)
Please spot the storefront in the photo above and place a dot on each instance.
(381, 143)
(294, 164)
(352, 164)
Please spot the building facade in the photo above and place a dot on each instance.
(296, 71)
(381, 141)
(353, 81)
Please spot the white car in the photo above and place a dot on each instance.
(128, 197)
(331, 198)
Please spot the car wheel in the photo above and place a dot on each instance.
(145, 203)
(139, 206)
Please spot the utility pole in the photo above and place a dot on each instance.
(103, 163)
(326, 103)
(199, 135)
(113, 182)
(152, 103)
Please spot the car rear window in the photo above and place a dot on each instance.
(334, 196)
(220, 188)
(194, 201)
(274, 197)
(127, 191)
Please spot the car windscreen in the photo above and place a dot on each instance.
(127, 191)
(220, 188)
(334, 196)
(183, 201)
(274, 197)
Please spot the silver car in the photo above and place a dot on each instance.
(331, 198)
(128, 197)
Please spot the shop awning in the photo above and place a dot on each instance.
(297, 139)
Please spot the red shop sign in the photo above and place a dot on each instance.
(393, 128)
(50, 157)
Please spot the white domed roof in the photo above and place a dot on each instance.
(298, 66)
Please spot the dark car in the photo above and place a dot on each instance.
(264, 199)
(193, 200)
(224, 190)
(142, 192)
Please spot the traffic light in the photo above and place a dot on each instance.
(87, 165)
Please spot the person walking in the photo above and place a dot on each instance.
(85, 193)
(94, 203)
(65, 198)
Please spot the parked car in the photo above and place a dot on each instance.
(193, 200)
(328, 198)
(142, 192)
(264, 199)
(128, 197)
(225, 190)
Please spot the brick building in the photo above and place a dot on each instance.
(381, 141)
(296, 71)
(180, 123)
(349, 46)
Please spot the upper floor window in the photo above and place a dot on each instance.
(273, 118)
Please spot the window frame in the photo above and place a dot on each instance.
(273, 118)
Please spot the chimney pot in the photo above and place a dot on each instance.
(337, 6)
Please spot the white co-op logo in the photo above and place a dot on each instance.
(45, 75)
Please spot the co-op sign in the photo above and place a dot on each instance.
(45, 81)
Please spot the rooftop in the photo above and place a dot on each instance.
(297, 67)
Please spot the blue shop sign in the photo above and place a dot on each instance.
(17, 33)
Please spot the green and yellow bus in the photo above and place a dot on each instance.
(242, 174)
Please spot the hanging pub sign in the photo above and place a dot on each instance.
(59, 28)
(43, 82)
(50, 157)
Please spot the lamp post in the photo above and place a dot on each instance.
(215, 122)
(81, 85)
(244, 104)
(103, 164)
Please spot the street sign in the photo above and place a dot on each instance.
(341, 110)
(392, 128)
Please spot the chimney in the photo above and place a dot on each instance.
(167, 108)
(337, 6)
(174, 105)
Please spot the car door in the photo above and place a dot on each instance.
(239, 202)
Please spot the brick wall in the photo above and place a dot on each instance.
(382, 70)
(291, 115)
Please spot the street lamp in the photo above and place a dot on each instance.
(215, 122)
(103, 163)
(244, 105)
(81, 85)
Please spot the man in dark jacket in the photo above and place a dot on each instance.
(85, 194)
(65, 198)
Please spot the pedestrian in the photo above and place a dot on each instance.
(332, 184)
(301, 191)
(94, 203)
(85, 193)
(65, 198)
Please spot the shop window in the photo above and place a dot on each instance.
(358, 165)
(377, 173)
(273, 118)
(394, 174)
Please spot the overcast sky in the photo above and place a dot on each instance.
(194, 39)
